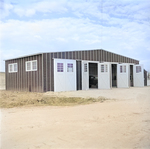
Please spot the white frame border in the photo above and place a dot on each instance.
(31, 65)
(12, 68)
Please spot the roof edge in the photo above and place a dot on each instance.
(23, 56)
(68, 51)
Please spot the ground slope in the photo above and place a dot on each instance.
(121, 123)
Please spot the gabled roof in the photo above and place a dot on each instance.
(68, 51)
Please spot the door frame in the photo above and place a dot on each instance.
(87, 79)
(104, 74)
(121, 74)
(63, 75)
(136, 76)
(111, 73)
(130, 64)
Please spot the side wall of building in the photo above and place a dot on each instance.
(23, 80)
(145, 77)
(91, 55)
(42, 80)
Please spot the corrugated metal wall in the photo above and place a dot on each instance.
(145, 77)
(43, 79)
(79, 75)
(22, 80)
(91, 55)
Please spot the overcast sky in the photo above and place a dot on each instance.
(35, 26)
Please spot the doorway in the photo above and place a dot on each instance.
(131, 75)
(93, 75)
(114, 75)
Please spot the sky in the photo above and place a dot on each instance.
(36, 26)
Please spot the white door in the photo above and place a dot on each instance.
(70, 75)
(123, 75)
(64, 75)
(138, 76)
(59, 75)
(85, 75)
(104, 76)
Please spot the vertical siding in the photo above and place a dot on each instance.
(95, 55)
(22, 80)
(91, 55)
(145, 77)
(45, 72)
(43, 79)
(82, 55)
(52, 72)
(79, 75)
(6, 76)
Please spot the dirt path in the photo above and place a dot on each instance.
(113, 124)
(115, 93)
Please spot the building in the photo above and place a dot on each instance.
(67, 71)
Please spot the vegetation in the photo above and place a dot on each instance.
(10, 99)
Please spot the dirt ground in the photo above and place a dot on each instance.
(123, 123)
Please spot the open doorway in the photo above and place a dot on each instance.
(93, 75)
(131, 75)
(114, 75)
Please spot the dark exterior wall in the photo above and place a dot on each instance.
(94, 55)
(23, 80)
(91, 55)
(79, 75)
(43, 79)
(145, 77)
(48, 71)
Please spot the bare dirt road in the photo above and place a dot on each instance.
(113, 124)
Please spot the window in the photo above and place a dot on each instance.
(69, 67)
(104, 68)
(34, 65)
(28, 66)
(138, 69)
(31, 65)
(15, 67)
(123, 69)
(12, 68)
(85, 67)
(59, 67)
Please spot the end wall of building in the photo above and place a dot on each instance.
(23, 80)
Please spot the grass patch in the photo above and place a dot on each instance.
(10, 99)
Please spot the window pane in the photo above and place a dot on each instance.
(124, 69)
(69, 67)
(102, 68)
(28, 66)
(85, 67)
(59, 67)
(34, 65)
(138, 69)
(15, 67)
(10, 68)
(120, 69)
